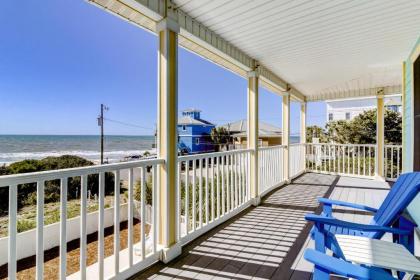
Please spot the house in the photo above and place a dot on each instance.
(269, 135)
(350, 108)
(194, 133)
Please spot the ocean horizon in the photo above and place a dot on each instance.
(17, 147)
(20, 147)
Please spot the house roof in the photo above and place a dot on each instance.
(191, 110)
(239, 128)
(187, 120)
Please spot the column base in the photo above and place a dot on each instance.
(256, 201)
(380, 178)
(168, 254)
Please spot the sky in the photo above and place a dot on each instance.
(59, 60)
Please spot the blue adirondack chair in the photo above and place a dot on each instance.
(389, 218)
(326, 265)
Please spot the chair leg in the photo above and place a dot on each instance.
(320, 273)
(319, 237)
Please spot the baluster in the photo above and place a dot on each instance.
(187, 195)
(155, 206)
(11, 265)
(130, 216)
(117, 222)
(143, 212)
(223, 183)
(207, 190)
(200, 194)
(194, 204)
(40, 230)
(101, 243)
(83, 216)
(63, 228)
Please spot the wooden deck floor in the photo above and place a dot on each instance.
(267, 242)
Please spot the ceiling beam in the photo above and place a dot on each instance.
(366, 92)
(195, 37)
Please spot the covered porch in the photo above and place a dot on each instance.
(239, 214)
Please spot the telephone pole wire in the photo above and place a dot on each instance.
(101, 124)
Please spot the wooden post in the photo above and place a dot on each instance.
(303, 132)
(380, 136)
(167, 120)
(286, 133)
(252, 137)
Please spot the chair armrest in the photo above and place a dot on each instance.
(347, 204)
(355, 226)
(343, 268)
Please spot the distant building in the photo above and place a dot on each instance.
(194, 133)
(349, 109)
(269, 135)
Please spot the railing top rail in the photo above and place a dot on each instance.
(297, 144)
(216, 154)
(347, 145)
(392, 146)
(25, 178)
(271, 147)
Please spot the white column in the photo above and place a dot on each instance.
(167, 120)
(286, 133)
(252, 137)
(303, 132)
(380, 139)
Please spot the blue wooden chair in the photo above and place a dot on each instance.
(389, 218)
(326, 265)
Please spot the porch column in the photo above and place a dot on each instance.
(303, 132)
(380, 136)
(252, 137)
(286, 134)
(167, 120)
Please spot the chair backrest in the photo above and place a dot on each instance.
(400, 196)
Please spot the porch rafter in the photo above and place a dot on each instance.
(196, 37)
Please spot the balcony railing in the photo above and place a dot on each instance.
(211, 188)
(353, 160)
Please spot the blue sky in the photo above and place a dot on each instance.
(60, 59)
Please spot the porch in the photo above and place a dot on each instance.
(267, 241)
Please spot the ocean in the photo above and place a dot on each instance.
(19, 147)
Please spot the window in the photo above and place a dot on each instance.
(197, 141)
(184, 128)
(330, 116)
(347, 116)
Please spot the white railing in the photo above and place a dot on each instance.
(344, 159)
(393, 161)
(211, 189)
(121, 263)
(296, 159)
(270, 160)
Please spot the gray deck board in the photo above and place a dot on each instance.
(268, 241)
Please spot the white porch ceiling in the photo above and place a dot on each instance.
(321, 46)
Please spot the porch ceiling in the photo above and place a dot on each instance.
(317, 48)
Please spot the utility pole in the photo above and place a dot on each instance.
(101, 124)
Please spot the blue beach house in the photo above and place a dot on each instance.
(194, 133)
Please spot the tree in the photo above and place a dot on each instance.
(362, 129)
(219, 135)
(315, 132)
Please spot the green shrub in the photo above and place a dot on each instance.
(24, 225)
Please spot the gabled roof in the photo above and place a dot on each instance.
(239, 128)
(187, 120)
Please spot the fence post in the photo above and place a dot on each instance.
(303, 132)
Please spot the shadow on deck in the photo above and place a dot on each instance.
(267, 242)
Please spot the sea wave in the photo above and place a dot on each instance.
(7, 158)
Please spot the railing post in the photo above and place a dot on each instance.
(252, 136)
(379, 162)
(303, 132)
(286, 134)
(167, 119)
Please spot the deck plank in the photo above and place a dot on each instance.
(268, 241)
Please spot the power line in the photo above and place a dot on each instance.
(129, 124)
